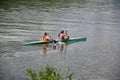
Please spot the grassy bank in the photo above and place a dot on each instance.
(47, 73)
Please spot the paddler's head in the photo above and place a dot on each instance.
(62, 31)
(45, 33)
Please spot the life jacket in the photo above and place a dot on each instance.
(61, 36)
(46, 38)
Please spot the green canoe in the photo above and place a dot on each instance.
(71, 40)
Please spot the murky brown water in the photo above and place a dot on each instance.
(23, 21)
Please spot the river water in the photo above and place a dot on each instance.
(26, 20)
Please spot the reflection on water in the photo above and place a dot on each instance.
(60, 46)
(45, 48)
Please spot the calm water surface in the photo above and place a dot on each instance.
(26, 20)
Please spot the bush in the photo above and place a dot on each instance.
(46, 73)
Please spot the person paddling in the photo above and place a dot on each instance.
(66, 36)
(63, 35)
(46, 37)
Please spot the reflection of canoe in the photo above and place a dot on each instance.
(71, 40)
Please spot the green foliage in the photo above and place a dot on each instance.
(46, 73)
(69, 74)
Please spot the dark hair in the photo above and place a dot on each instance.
(45, 33)
(62, 31)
